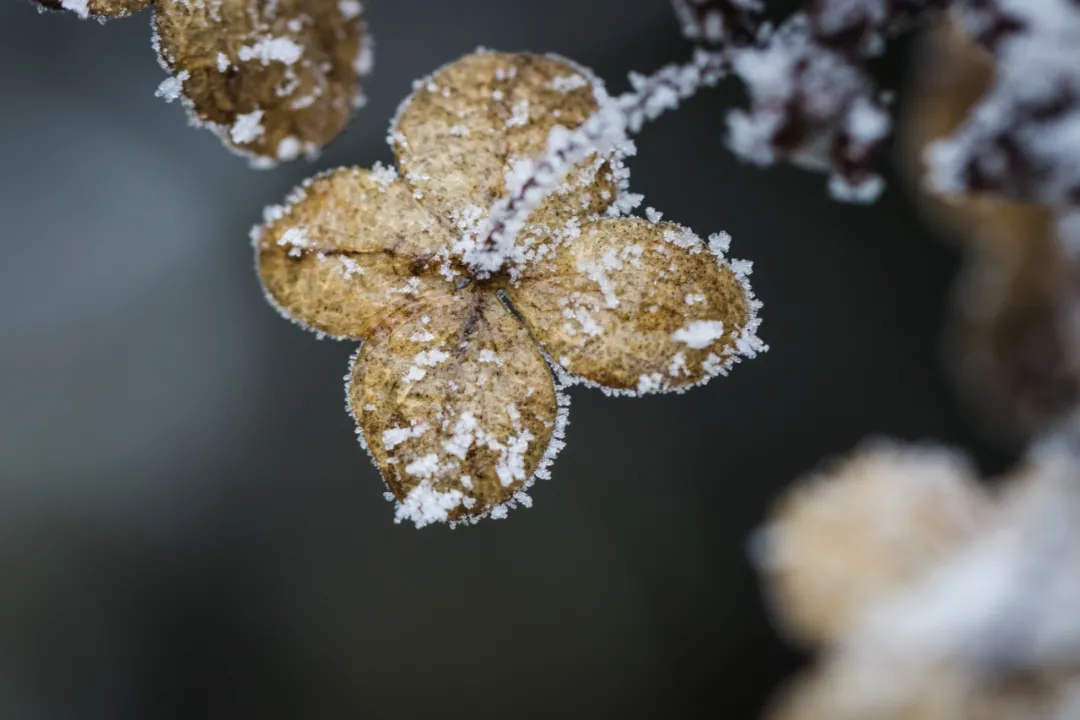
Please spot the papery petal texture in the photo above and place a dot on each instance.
(458, 409)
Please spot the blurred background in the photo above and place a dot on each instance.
(187, 526)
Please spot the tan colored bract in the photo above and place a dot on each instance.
(844, 539)
(451, 389)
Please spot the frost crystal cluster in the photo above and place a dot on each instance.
(812, 100)
(494, 266)
(1022, 139)
(273, 80)
(929, 595)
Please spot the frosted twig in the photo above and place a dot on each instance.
(531, 181)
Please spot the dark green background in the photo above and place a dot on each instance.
(187, 526)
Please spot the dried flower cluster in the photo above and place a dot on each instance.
(1016, 342)
(453, 388)
(273, 80)
(929, 596)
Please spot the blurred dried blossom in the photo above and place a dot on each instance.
(1014, 340)
(972, 614)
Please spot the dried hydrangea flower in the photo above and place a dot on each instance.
(273, 80)
(988, 630)
(451, 389)
(1014, 341)
(99, 9)
(844, 690)
(842, 539)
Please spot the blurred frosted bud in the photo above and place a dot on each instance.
(844, 690)
(99, 9)
(273, 80)
(845, 537)
(456, 389)
(989, 632)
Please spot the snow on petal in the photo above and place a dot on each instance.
(469, 431)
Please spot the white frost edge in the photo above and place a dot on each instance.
(497, 512)
(364, 64)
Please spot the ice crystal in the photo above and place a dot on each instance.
(453, 389)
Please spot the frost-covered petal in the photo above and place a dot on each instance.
(97, 8)
(463, 136)
(458, 410)
(351, 251)
(639, 306)
(274, 80)
(846, 538)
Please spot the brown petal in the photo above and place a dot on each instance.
(636, 306)
(843, 540)
(458, 410)
(1015, 341)
(273, 79)
(98, 8)
(350, 252)
(466, 126)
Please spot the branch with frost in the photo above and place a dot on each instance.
(1022, 140)
(531, 181)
